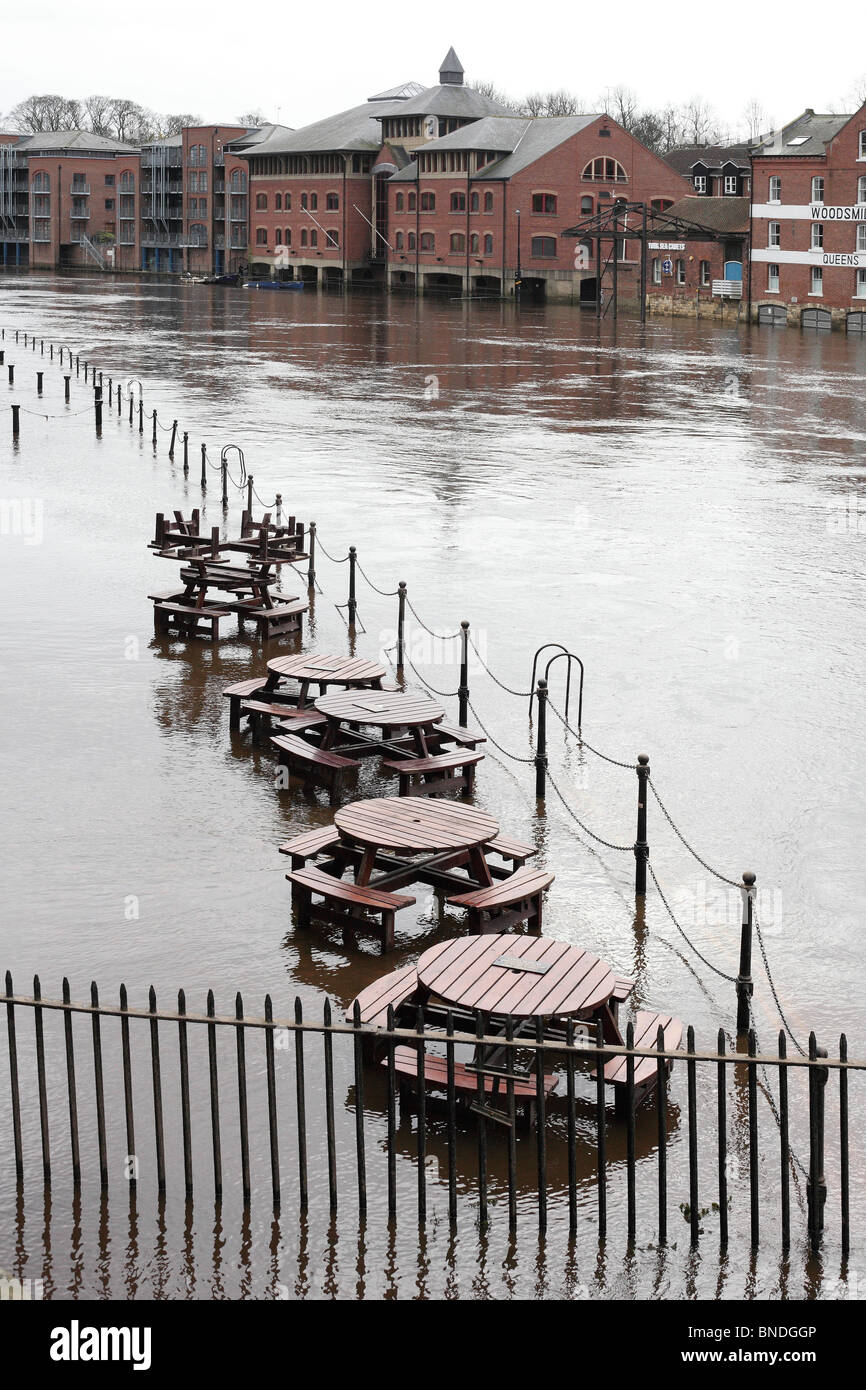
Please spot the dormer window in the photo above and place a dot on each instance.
(732, 183)
(700, 183)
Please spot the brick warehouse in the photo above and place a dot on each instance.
(808, 263)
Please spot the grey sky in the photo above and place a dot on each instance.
(298, 64)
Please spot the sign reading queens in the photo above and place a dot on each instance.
(809, 212)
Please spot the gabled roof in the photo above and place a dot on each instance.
(402, 92)
(76, 141)
(726, 215)
(355, 129)
(809, 134)
(256, 136)
(519, 140)
(713, 157)
(449, 99)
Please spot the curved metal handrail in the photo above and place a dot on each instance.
(541, 649)
(570, 657)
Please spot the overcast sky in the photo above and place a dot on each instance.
(299, 63)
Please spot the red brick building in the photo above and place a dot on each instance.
(808, 262)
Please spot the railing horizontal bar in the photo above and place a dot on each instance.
(290, 1025)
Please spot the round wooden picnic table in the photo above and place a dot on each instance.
(525, 977)
(408, 825)
(318, 668)
(384, 709)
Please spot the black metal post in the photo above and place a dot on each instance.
(352, 605)
(744, 978)
(173, 437)
(97, 406)
(141, 415)
(204, 465)
(541, 740)
(224, 470)
(15, 424)
(311, 566)
(641, 848)
(816, 1184)
(185, 451)
(401, 624)
(463, 688)
(39, 383)
(643, 264)
(11, 373)
(250, 494)
(66, 381)
(153, 436)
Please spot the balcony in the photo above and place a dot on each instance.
(80, 190)
(80, 214)
(728, 289)
(163, 239)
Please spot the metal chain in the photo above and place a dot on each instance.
(522, 694)
(732, 979)
(608, 844)
(772, 1103)
(443, 694)
(41, 414)
(709, 868)
(582, 741)
(327, 554)
(513, 756)
(386, 593)
(772, 985)
(443, 636)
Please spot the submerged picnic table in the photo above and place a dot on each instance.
(412, 839)
(323, 670)
(402, 718)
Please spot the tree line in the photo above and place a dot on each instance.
(117, 117)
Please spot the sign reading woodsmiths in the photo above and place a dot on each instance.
(809, 212)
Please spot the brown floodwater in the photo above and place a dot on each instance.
(682, 506)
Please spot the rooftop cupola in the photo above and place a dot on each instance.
(451, 71)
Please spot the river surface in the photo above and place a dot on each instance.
(682, 506)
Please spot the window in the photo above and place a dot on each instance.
(610, 170)
(861, 237)
(261, 202)
(544, 246)
(488, 244)
(278, 202)
(127, 181)
(428, 202)
(458, 202)
(41, 183)
(544, 202)
(474, 203)
(411, 201)
(774, 234)
(332, 202)
(817, 239)
(700, 182)
(681, 271)
(314, 201)
(817, 280)
(332, 238)
(287, 202)
(473, 244)
(239, 181)
(278, 237)
(109, 180)
(314, 236)
(817, 189)
(410, 241)
(657, 271)
(775, 194)
(287, 236)
(109, 205)
(303, 236)
(732, 183)
(458, 242)
(428, 241)
(399, 202)
(488, 202)
(261, 236)
(705, 273)
(861, 189)
(861, 148)
(398, 241)
(860, 285)
(772, 279)
(586, 205)
(303, 200)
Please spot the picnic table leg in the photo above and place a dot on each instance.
(303, 691)
(366, 866)
(479, 868)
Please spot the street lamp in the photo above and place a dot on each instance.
(517, 278)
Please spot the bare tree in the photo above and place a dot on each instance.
(553, 103)
(174, 124)
(47, 112)
(755, 120)
(621, 104)
(493, 93)
(700, 125)
(252, 119)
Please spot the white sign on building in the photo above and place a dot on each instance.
(666, 245)
(774, 255)
(810, 212)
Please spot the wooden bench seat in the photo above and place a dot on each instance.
(512, 850)
(188, 619)
(311, 763)
(621, 991)
(466, 1081)
(393, 989)
(646, 1027)
(515, 899)
(273, 622)
(345, 903)
(451, 733)
(237, 693)
(311, 844)
(430, 776)
(260, 713)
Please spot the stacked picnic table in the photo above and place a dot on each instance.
(243, 572)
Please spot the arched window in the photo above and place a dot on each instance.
(278, 202)
(261, 202)
(488, 245)
(474, 203)
(473, 244)
(428, 241)
(287, 202)
(239, 181)
(586, 205)
(332, 202)
(127, 181)
(544, 202)
(488, 202)
(458, 202)
(398, 241)
(303, 200)
(544, 246)
(198, 234)
(604, 169)
(303, 236)
(458, 242)
(428, 202)
(410, 241)
(332, 238)
(659, 204)
(278, 237)
(399, 202)
(411, 202)
(314, 237)
(287, 236)
(261, 236)
(314, 201)
(41, 183)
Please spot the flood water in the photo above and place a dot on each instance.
(682, 506)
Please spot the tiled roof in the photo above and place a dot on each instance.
(807, 135)
(520, 139)
(78, 141)
(725, 215)
(713, 157)
(355, 129)
(449, 99)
